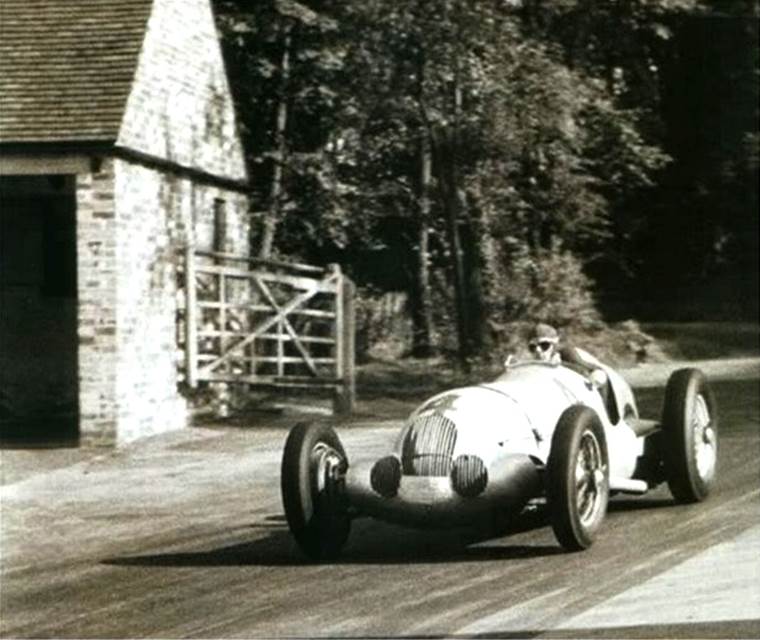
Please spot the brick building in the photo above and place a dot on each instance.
(118, 147)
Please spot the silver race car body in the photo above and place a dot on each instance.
(539, 432)
(468, 450)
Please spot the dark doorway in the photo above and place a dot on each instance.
(39, 390)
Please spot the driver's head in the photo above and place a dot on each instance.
(543, 342)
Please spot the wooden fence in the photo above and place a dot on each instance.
(269, 324)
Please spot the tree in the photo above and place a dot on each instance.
(284, 60)
(710, 110)
(452, 137)
(687, 72)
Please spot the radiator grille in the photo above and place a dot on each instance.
(429, 446)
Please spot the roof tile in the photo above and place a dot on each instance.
(66, 67)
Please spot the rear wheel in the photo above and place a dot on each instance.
(313, 470)
(577, 478)
(689, 436)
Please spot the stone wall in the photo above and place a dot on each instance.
(157, 215)
(133, 225)
(179, 112)
(96, 276)
(180, 108)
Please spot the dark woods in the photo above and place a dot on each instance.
(507, 160)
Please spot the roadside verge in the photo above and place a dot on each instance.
(656, 374)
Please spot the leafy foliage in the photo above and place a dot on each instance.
(546, 286)
(550, 125)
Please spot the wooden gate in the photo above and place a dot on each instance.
(268, 323)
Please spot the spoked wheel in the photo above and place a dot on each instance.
(314, 465)
(577, 478)
(589, 478)
(690, 436)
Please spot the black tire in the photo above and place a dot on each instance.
(314, 464)
(577, 506)
(689, 436)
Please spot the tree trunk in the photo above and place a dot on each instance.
(451, 200)
(472, 240)
(422, 303)
(445, 145)
(276, 189)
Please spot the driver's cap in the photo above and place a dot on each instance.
(543, 332)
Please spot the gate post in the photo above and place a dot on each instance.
(191, 319)
(345, 328)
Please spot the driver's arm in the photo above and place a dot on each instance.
(571, 355)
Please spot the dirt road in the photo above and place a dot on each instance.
(185, 537)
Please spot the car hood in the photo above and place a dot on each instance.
(515, 413)
(487, 422)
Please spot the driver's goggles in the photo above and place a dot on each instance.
(541, 345)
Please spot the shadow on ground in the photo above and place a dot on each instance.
(371, 542)
(374, 542)
(638, 504)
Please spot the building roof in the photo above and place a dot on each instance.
(66, 67)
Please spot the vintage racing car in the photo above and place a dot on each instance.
(538, 432)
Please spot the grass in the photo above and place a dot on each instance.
(706, 340)
(391, 386)
(406, 379)
(737, 402)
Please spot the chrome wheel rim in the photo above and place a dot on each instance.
(704, 438)
(327, 468)
(590, 478)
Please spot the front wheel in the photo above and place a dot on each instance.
(314, 465)
(690, 436)
(577, 478)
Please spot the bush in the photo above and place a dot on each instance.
(523, 287)
(547, 285)
(383, 328)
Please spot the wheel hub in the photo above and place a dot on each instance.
(705, 440)
(590, 478)
(328, 468)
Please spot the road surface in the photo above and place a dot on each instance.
(184, 536)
